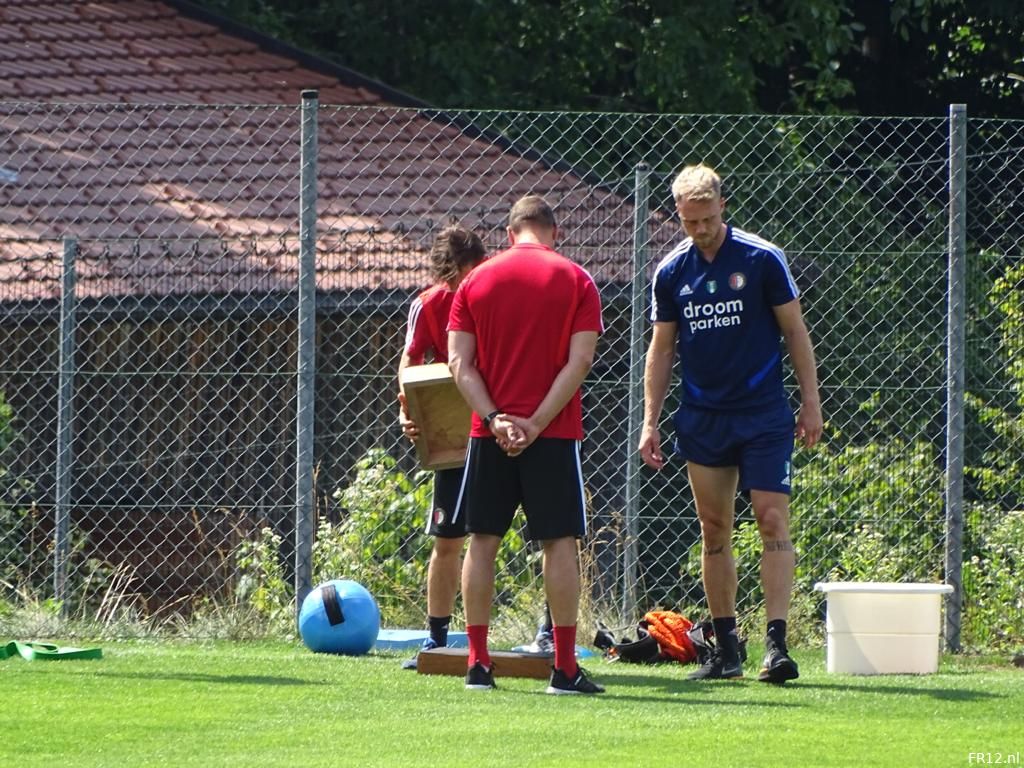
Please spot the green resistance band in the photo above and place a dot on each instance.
(47, 652)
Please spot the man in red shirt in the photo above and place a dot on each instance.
(522, 333)
(455, 251)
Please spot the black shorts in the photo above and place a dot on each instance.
(443, 522)
(546, 479)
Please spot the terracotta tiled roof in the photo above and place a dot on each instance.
(143, 51)
(124, 124)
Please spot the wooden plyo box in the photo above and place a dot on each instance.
(452, 661)
(436, 405)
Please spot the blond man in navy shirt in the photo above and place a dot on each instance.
(723, 302)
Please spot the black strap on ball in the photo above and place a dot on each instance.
(332, 605)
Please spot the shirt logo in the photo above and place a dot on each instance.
(737, 280)
(712, 286)
(686, 291)
(719, 314)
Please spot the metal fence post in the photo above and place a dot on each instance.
(65, 415)
(641, 194)
(306, 354)
(955, 370)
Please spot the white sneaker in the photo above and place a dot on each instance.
(543, 644)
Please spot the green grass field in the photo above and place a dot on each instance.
(276, 704)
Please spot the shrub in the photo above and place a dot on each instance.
(22, 558)
(380, 541)
(870, 512)
(993, 612)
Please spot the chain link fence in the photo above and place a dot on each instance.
(193, 425)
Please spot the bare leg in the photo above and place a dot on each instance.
(778, 561)
(562, 584)
(478, 577)
(443, 576)
(714, 491)
(562, 580)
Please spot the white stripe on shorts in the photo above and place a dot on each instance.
(462, 485)
(583, 493)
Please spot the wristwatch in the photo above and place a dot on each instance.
(489, 418)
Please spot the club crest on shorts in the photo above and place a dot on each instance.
(737, 280)
(439, 516)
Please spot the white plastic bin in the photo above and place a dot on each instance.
(877, 628)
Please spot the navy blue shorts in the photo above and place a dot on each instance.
(758, 441)
(546, 479)
(443, 522)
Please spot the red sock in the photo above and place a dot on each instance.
(477, 634)
(565, 650)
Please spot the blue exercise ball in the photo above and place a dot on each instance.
(339, 616)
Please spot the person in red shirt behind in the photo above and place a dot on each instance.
(456, 250)
(521, 338)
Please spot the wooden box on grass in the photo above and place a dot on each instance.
(452, 661)
(436, 405)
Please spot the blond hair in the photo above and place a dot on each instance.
(697, 182)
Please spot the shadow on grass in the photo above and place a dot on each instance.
(629, 687)
(676, 686)
(942, 694)
(193, 677)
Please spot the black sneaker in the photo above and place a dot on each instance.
(479, 678)
(561, 684)
(777, 667)
(428, 645)
(717, 667)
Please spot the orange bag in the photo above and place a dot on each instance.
(670, 630)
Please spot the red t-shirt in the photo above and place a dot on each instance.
(523, 305)
(428, 324)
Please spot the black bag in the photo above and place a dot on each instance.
(643, 650)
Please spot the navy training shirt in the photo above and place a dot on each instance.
(729, 341)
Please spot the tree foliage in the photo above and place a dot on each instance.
(724, 56)
(925, 54)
